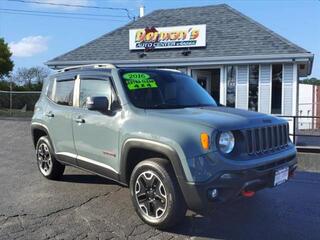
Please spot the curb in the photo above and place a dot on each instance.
(309, 162)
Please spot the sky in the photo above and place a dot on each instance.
(37, 39)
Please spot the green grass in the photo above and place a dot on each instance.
(15, 113)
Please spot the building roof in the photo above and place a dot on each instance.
(229, 34)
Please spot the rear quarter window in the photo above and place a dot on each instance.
(49, 89)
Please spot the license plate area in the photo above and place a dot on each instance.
(281, 175)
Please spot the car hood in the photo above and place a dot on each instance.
(223, 118)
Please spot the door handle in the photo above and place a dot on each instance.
(50, 114)
(80, 120)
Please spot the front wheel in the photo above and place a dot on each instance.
(155, 193)
(47, 164)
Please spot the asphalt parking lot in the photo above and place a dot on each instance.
(84, 206)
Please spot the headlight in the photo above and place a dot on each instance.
(226, 142)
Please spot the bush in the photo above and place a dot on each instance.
(19, 100)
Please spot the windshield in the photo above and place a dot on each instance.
(158, 89)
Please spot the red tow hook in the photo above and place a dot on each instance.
(247, 193)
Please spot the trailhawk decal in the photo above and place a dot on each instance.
(137, 80)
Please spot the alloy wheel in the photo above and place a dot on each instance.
(151, 195)
(44, 159)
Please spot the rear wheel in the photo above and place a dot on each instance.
(47, 164)
(155, 193)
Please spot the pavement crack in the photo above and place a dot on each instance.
(98, 196)
(7, 218)
(57, 211)
(79, 205)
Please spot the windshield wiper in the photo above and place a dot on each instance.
(172, 106)
(202, 105)
(167, 106)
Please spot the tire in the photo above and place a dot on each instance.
(47, 164)
(155, 193)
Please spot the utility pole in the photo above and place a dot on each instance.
(10, 110)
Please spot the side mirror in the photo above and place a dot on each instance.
(97, 104)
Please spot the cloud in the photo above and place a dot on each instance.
(29, 46)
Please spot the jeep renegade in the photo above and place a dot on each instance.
(160, 133)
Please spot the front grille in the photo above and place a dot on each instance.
(265, 139)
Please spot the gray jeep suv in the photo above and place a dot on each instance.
(161, 134)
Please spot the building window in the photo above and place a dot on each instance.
(231, 86)
(253, 87)
(276, 96)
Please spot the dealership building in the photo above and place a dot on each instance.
(238, 61)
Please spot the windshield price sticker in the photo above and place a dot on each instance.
(141, 84)
(136, 80)
(136, 76)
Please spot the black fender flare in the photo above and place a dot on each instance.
(39, 126)
(161, 148)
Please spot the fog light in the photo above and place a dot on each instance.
(213, 193)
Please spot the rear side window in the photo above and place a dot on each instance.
(64, 92)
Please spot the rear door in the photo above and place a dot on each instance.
(96, 134)
(58, 116)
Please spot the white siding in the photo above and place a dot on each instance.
(306, 104)
(287, 98)
(242, 87)
(265, 89)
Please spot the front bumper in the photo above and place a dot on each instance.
(230, 183)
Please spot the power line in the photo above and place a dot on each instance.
(56, 16)
(74, 5)
(61, 13)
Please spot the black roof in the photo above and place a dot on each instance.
(229, 33)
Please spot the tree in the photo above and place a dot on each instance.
(6, 64)
(312, 81)
(29, 76)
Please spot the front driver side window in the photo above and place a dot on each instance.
(96, 87)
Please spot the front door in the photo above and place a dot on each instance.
(96, 133)
(215, 84)
(203, 77)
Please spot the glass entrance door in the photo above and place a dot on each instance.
(203, 77)
(209, 79)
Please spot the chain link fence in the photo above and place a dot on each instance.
(18, 103)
